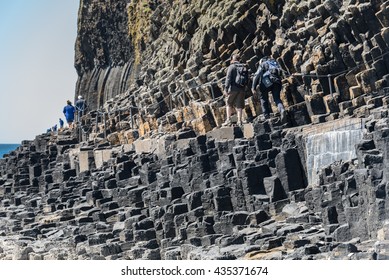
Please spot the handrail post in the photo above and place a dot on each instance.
(105, 125)
(97, 120)
(79, 134)
(330, 85)
(212, 92)
(131, 121)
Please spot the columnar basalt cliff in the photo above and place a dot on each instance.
(171, 52)
(150, 174)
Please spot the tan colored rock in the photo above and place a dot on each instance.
(318, 57)
(253, 106)
(202, 125)
(179, 115)
(248, 130)
(331, 103)
(131, 135)
(358, 101)
(218, 113)
(366, 79)
(355, 91)
(84, 160)
(145, 145)
(199, 109)
(316, 87)
(224, 133)
(144, 128)
(113, 139)
(122, 138)
(380, 84)
(342, 86)
(385, 34)
(188, 113)
(102, 156)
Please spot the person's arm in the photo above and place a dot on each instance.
(228, 83)
(281, 73)
(256, 80)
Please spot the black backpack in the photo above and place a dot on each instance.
(242, 75)
(271, 68)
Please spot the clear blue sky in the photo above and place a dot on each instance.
(37, 74)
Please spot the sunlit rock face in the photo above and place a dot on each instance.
(149, 176)
(331, 142)
(162, 56)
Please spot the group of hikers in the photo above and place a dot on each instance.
(266, 79)
(70, 112)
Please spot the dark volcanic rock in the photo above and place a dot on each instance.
(150, 174)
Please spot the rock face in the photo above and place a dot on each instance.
(330, 142)
(159, 56)
(188, 196)
(147, 175)
(103, 57)
(163, 62)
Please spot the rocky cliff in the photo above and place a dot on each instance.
(155, 56)
(148, 174)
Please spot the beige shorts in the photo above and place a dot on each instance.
(236, 98)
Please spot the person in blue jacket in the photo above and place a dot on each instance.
(68, 111)
(60, 124)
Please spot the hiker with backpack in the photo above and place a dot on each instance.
(234, 89)
(80, 107)
(268, 79)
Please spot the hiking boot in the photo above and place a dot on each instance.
(265, 117)
(283, 117)
(227, 123)
(241, 123)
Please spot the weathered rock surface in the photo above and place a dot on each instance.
(149, 176)
(215, 196)
(160, 64)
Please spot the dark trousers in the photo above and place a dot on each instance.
(275, 89)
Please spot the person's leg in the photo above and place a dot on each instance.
(229, 104)
(240, 106)
(276, 96)
(264, 98)
(228, 112)
(276, 90)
